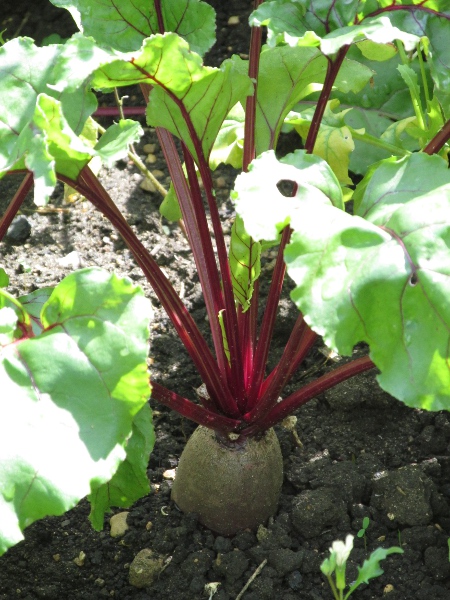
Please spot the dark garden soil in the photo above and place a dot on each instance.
(362, 454)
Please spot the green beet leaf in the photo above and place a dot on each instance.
(264, 209)
(188, 99)
(286, 76)
(130, 481)
(382, 279)
(125, 25)
(69, 397)
(42, 124)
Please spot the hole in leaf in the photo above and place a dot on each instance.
(287, 187)
(413, 280)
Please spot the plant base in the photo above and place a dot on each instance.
(231, 486)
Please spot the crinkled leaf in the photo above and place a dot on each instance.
(41, 125)
(245, 265)
(229, 145)
(264, 209)
(25, 72)
(130, 481)
(431, 20)
(334, 141)
(126, 24)
(69, 397)
(383, 279)
(371, 566)
(333, 26)
(297, 18)
(386, 93)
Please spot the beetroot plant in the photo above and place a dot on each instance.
(363, 230)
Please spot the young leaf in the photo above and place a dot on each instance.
(245, 264)
(77, 386)
(382, 279)
(371, 567)
(130, 481)
(124, 26)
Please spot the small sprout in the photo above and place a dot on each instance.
(362, 532)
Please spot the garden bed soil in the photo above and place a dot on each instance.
(362, 453)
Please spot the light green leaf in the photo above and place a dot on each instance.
(433, 21)
(245, 265)
(4, 279)
(33, 303)
(25, 72)
(382, 279)
(124, 26)
(264, 209)
(371, 567)
(115, 141)
(229, 144)
(77, 386)
(375, 51)
(130, 482)
(334, 141)
(169, 207)
(8, 325)
(378, 29)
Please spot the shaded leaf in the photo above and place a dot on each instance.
(125, 25)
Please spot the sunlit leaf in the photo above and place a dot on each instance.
(381, 277)
(69, 397)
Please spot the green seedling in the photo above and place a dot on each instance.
(334, 567)
(362, 532)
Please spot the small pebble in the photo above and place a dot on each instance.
(151, 159)
(71, 260)
(149, 148)
(18, 231)
(147, 185)
(118, 524)
(234, 20)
